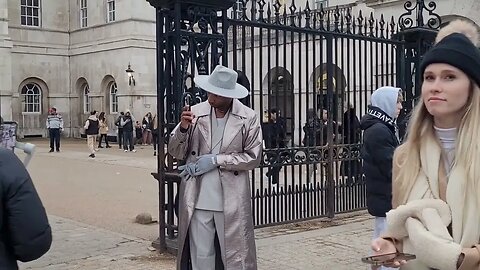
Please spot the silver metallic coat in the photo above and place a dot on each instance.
(240, 152)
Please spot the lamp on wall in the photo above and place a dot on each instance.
(131, 79)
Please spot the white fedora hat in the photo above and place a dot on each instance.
(222, 82)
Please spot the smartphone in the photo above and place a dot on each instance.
(8, 135)
(187, 102)
(387, 259)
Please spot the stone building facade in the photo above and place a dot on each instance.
(72, 55)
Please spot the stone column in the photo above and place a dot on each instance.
(5, 64)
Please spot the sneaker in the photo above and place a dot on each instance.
(96, 150)
(58, 150)
(108, 146)
(92, 155)
(51, 151)
(126, 151)
(133, 150)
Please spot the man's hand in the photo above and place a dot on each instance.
(205, 164)
(187, 171)
(186, 118)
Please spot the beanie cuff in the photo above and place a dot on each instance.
(455, 58)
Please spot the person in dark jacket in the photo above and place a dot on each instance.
(128, 128)
(55, 127)
(25, 234)
(351, 132)
(380, 138)
(245, 82)
(92, 126)
(274, 139)
(120, 130)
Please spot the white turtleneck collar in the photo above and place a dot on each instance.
(447, 138)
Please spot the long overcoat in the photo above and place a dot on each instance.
(240, 152)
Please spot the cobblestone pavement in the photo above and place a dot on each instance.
(118, 244)
(80, 246)
(301, 246)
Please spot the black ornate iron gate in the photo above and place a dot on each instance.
(310, 72)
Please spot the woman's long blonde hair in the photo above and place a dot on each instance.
(467, 153)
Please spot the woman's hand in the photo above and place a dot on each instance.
(382, 246)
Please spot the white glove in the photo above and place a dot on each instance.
(431, 241)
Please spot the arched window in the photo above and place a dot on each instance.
(86, 98)
(113, 98)
(32, 98)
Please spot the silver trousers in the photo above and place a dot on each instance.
(202, 229)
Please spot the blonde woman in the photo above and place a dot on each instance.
(436, 172)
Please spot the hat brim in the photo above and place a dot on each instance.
(239, 91)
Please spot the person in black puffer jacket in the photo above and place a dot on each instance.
(380, 138)
(25, 234)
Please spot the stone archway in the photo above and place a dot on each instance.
(109, 91)
(278, 85)
(319, 86)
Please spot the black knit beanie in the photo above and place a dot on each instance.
(456, 46)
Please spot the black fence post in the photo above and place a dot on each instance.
(330, 200)
(417, 38)
(189, 42)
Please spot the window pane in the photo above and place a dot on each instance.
(29, 11)
(35, 12)
(35, 3)
(24, 2)
(29, 20)
(29, 2)
(24, 20)
(36, 22)
(23, 11)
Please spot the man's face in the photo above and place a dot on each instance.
(325, 115)
(273, 116)
(218, 101)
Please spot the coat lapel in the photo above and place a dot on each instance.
(203, 123)
(234, 125)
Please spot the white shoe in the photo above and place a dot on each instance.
(126, 151)
(133, 151)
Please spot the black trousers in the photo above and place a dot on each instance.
(128, 140)
(155, 141)
(120, 138)
(101, 138)
(54, 134)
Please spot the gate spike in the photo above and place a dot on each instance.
(348, 21)
(336, 18)
(360, 22)
(269, 13)
(382, 26)
(392, 26)
(261, 4)
(371, 24)
(321, 14)
(307, 16)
